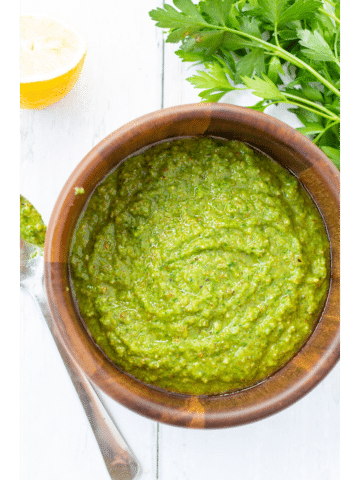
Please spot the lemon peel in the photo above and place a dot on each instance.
(52, 56)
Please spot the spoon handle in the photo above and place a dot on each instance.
(117, 456)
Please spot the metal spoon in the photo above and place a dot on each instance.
(118, 457)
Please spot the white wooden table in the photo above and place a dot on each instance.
(130, 72)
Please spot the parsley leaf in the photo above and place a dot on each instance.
(253, 62)
(264, 88)
(217, 10)
(251, 44)
(311, 129)
(169, 17)
(208, 41)
(214, 81)
(316, 46)
(272, 9)
(300, 10)
(274, 69)
(333, 154)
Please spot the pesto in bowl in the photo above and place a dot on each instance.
(200, 266)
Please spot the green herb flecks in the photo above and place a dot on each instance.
(200, 266)
(245, 44)
(32, 227)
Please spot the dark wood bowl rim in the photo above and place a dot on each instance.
(292, 382)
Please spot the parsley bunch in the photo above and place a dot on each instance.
(247, 44)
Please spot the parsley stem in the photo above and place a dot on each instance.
(280, 52)
(312, 104)
(300, 105)
(276, 35)
(277, 102)
(301, 64)
(329, 15)
(331, 124)
(335, 45)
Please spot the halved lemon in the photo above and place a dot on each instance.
(51, 59)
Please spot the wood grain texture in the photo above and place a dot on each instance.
(284, 144)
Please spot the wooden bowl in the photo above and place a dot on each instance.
(284, 144)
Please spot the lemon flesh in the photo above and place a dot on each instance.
(51, 59)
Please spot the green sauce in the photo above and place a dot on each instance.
(32, 227)
(200, 266)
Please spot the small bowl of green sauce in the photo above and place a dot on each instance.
(192, 265)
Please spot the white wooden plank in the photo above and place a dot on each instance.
(121, 80)
(55, 430)
(177, 91)
(302, 442)
(56, 440)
